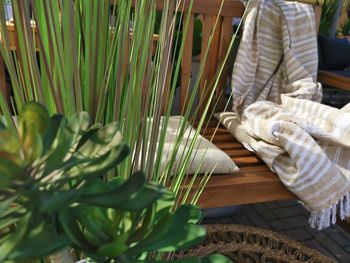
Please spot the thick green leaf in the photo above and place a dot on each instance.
(159, 231)
(97, 186)
(80, 121)
(4, 223)
(41, 242)
(33, 115)
(118, 195)
(145, 227)
(216, 258)
(191, 212)
(180, 235)
(13, 240)
(89, 133)
(31, 142)
(53, 128)
(100, 166)
(9, 141)
(54, 201)
(147, 196)
(9, 171)
(73, 231)
(165, 204)
(66, 141)
(93, 221)
(5, 205)
(2, 125)
(114, 248)
(101, 142)
(60, 147)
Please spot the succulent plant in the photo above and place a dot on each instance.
(54, 194)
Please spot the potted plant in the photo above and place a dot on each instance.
(55, 195)
(97, 57)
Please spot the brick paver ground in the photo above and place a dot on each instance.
(290, 218)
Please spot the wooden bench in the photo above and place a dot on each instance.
(254, 182)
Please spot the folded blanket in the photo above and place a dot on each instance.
(276, 99)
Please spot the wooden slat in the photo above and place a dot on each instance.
(225, 39)
(214, 48)
(253, 183)
(208, 25)
(231, 8)
(250, 185)
(186, 63)
(334, 80)
(13, 45)
(318, 12)
(263, 190)
(211, 30)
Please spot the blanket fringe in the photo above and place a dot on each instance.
(328, 216)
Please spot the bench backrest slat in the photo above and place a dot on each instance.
(231, 8)
(220, 34)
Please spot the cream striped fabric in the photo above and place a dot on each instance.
(276, 98)
(278, 48)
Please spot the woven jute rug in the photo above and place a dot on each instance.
(254, 245)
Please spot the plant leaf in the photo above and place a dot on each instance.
(73, 231)
(97, 167)
(93, 220)
(114, 248)
(180, 235)
(118, 195)
(147, 196)
(15, 238)
(33, 115)
(53, 201)
(9, 171)
(101, 142)
(40, 243)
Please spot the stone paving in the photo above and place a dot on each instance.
(290, 218)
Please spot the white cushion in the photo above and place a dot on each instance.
(204, 154)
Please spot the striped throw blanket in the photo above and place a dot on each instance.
(276, 103)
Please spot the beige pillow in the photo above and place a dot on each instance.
(204, 151)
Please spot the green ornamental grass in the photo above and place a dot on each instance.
(96, 56)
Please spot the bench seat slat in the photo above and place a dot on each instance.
(253, 183)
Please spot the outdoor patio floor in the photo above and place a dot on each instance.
(290, 219)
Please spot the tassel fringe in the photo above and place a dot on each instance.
(328, 216)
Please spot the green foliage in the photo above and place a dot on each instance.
(95, 57)
(347, 5)
(53, 196)
(45, 166)
(345, 28)
(329, 13)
